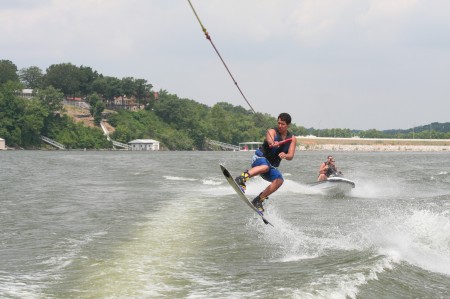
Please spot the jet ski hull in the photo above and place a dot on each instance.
(333, 186)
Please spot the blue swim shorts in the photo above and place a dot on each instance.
(272, 174)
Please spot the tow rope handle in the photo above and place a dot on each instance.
(283, 142)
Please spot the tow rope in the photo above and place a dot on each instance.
(208, 37)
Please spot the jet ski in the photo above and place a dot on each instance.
(335, 185)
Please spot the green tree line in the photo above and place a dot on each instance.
(178, 123)
(183, 124)
(23, 121)
(432, 131)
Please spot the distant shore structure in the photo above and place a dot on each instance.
(249, 146)
(26, 93)
(311, 143)
(2, 144)
(144, 145)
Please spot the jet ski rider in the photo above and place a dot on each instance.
(327, 168)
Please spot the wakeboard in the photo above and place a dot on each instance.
(241, 194)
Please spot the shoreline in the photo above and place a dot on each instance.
(374, 148)
(310, 143)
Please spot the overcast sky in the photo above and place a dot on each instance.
(358, 64)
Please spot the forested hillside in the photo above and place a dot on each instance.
(178, 123)
(183, 124)
(23, 121)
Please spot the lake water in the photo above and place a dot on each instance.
(167, 225)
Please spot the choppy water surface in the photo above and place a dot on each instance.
(167, 225)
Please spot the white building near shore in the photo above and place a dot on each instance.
(144, 145)
(26, 93)
(2, 144)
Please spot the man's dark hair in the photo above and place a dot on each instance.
(285, 117)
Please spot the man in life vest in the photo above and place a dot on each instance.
(268, 157)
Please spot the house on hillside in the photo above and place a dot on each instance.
(76, 101)
(144, 145)
(26, 93)
(123, 102)
(2, 144)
